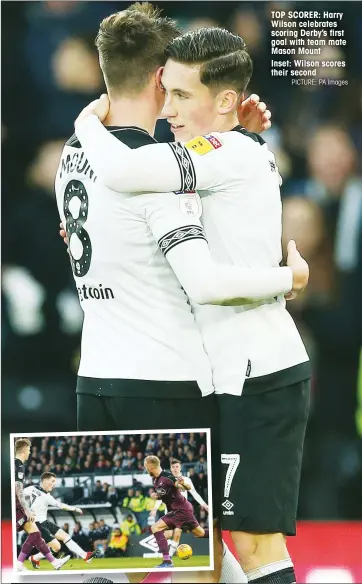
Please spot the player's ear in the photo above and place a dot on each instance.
(158, 78)
(227, 101)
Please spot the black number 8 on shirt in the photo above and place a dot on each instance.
(75, 188)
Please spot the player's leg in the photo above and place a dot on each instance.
(158, 529)
(63, 536)
(175, 539)
(54, 545)
(262, 485)
(35, 539)
(200, 532)
(231, 571)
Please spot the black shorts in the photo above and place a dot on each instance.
(185, 410)
(262, 438)
(47, 530)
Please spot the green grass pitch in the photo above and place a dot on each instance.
(123, 564)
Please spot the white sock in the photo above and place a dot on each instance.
(38, 557)
(231, 571)
(269, 569)
(173, 547)
(74, 547)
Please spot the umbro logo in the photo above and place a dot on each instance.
(228, 506)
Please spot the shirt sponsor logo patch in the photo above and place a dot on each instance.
(190, 204)
(203, 144)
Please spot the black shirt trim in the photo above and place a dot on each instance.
(132, 136)
(277, 380)
(251, 135)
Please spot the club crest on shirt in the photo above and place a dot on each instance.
(204, 144)
(190, 204)
(20, 475)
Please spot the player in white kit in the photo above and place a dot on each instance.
(40, 500)
(260, 365)
(144, 312)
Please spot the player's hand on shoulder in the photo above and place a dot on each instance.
(78, 510)
(206, 507)
(299, 268)
(63, 234)
(29, 515)
(254, 115)
(98, 107)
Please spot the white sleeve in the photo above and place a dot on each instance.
(158, 504)
(195, 494)
(184, 244)
(196, 165)
(53, 502)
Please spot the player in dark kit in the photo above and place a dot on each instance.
(24, 516)
(180, 511)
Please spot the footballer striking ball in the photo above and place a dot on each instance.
(184, 551)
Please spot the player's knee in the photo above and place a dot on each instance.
(246, 545)
(55, 545)
(267, 546)
(198, 532)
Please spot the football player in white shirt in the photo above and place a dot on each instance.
(138, 337)
(256, 351)
(40, 500)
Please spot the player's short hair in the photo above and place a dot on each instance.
(174, 461)
(47, 475)
(131, 46)
(222, 55)
(153, 460)
(21, 443)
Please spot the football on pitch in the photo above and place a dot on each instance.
(184, 551)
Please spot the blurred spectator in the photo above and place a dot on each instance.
(127, 500)
(130, 526)
(104, 529)
(112, 496)
(80, 537)
(117, 544)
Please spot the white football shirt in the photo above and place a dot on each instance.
(39, 501)
(237, 178)
(192, 492)
(137, 322)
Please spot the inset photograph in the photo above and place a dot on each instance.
(99, 502)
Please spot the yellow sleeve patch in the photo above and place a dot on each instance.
(200, 145)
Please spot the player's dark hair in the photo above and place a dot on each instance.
(21, 443)
(131, 46)
(174, 461)
(47, 475)
(222, 56)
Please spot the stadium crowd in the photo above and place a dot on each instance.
(50, 72)
(68, 455)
